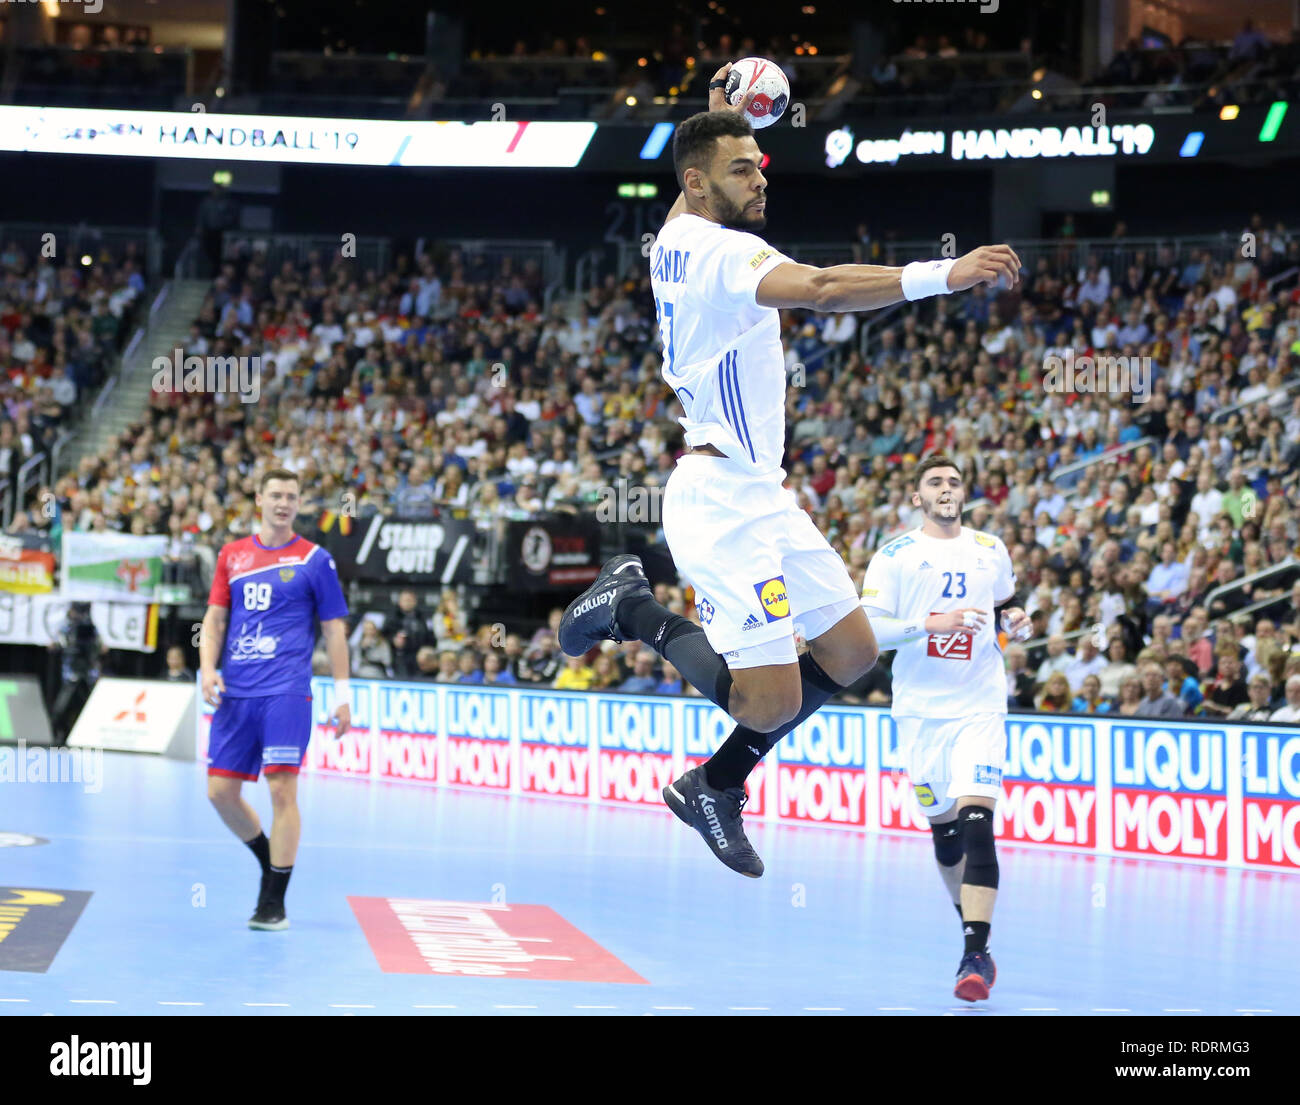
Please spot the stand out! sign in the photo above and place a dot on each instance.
(1227, 795)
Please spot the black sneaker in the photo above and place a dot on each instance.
(269, 917)
(975, 976)
(592, 616)
(715, 815)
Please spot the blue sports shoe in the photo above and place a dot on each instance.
(975, 976)
(593, 616)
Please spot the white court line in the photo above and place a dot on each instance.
(434, 1007)
(15, 999)
(1184, 1010)
(267, 1004)
(512, 1007)
(896, 1008)
(1254, 1010)
(672, 1007)
(180, 1003)
(343, 1005)
(90, 1001)
(597, 1007)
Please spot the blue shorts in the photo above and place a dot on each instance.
(251, 735)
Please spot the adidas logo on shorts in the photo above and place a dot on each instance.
(750, 623)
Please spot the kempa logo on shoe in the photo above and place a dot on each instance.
(86, 1057)
(592, 603)
(715, 826)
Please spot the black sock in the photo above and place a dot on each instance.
(957, 907)
(680, 642)
(977, 935)
(261, 848)
(278, 882)
(731, 764)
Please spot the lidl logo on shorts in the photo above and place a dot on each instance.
(758, 258)
(771, 593)
(706, 611)
(988, 776)
(924, 795)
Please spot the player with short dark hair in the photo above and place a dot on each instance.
(932, 594)
(758, 564)
(268, 591)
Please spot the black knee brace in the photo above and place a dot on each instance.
(947, 843)
(977, 842)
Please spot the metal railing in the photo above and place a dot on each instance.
(370, 253)
(27, 477)
(1101, 458)
(549, 259)
(6, 504)
(1270, 399)
(1290, 564)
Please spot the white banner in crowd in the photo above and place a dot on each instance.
(293, 139)
(111, 566)
(37, 619)
(1227, 795)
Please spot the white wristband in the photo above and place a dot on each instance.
(342, 696)
(922, 279)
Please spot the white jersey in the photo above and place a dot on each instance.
(943, 675)
(722, 351)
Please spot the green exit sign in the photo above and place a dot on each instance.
(638, 191)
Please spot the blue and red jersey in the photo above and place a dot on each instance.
(275, 597)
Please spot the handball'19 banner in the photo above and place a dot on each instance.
(1226, 795)
(557, 551)
(402, 550)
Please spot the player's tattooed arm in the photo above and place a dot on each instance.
(717, 102)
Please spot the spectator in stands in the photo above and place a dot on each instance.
(1090, 700)
(177, 672)
(1183, 681)
(1056, 695)
(496, 672)
(643, 679)
(1057, 658)
(1113, 675)
(1227, 690)
(1168, 579)
(1130, 697)
(671, 681)
(1087, 661)
(1156, 701)
(605, 673)
(469, 668)
(576, 675)
(1256, 708)
(407, 628)
(372, 656)
(1291, 711)
(438, 666)
(1020, 680)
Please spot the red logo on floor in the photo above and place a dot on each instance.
(417, 937)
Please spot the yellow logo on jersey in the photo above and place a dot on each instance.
(286, 574)
(984, 539)
(758, 258)
(925, 795)
(772, 594)
(870, 592)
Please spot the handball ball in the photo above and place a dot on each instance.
(771, 90)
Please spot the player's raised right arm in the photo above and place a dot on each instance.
(870, 287)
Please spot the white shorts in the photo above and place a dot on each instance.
(951, 758)
(759, 565)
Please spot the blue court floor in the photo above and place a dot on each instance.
(839, 924)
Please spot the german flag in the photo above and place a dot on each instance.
(329, 517)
